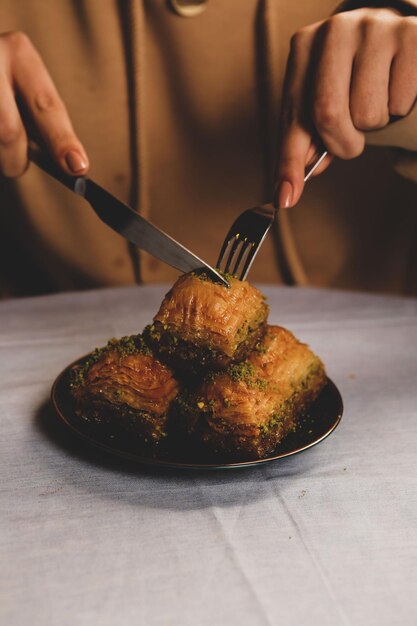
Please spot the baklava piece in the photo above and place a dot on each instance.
(125, 391)
(246, 411)
(205, 324)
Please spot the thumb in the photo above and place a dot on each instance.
(292, 159)
(298, 155)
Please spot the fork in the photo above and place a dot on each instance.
(246, 234)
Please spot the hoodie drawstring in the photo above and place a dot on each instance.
(132, 13)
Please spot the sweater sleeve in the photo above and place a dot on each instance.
(406, 7)
(400, 136)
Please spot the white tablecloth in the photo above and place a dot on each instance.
(326, 537)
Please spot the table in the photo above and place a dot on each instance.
(326, 537)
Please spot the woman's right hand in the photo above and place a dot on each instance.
(349, 74)
(25, 79)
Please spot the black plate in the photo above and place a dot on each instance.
(321, 420)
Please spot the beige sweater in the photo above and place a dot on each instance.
(179, 117)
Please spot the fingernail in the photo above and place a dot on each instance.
(284, 195)
(75, 162)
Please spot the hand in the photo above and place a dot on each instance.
(346, 75)
(24, 79)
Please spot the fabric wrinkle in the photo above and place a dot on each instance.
(229, 548)
(310, 552)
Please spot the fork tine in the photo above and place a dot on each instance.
(233, 232)
(249, 260)
(247, 231)
(245, 246)
(224, 247)
(232, 252)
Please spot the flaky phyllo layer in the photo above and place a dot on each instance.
(126, 388)
(251, 406)
(201, 323)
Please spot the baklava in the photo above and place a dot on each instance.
(124, 390)
(245, 411)
(202, 324)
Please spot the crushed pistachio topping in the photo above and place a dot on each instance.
(132, 344)
(274, 421)
(241, 372)
(260, 348)
(245, 372)
(205, 277)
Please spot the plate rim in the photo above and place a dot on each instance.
(152, 462)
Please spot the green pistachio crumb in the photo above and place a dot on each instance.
(245, 372)
(132, 344)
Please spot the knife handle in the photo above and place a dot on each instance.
(48, 165)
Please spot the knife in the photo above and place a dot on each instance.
(125, 221)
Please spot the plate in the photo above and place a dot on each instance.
(320, 421)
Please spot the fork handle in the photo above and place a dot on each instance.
(315, 165)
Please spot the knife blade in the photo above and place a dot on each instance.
(125, 221)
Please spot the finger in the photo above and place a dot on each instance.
(369, 92)
(312, 155)
(291, 166)
(13, 141)
(403, 79)
(296, 136)
(331, 93)
(39, 94)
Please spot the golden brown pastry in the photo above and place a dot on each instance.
(124, 389)
(246, 410)
(205, 324)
